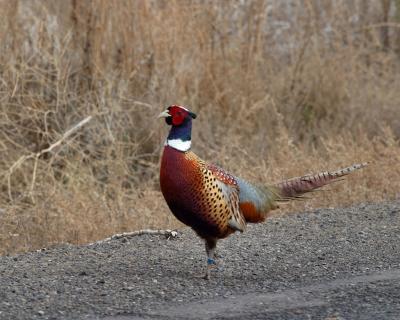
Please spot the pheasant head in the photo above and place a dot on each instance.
(180, 120)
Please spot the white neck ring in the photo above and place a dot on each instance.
(179, 144)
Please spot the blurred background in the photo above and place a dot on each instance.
(281, 89)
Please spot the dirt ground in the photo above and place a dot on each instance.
(339, 263)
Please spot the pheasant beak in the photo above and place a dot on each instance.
(164, 114)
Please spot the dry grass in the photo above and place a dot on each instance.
(282, 88)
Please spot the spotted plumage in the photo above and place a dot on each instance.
(213, 202)
(198, 196)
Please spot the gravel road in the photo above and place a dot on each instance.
(331, 264)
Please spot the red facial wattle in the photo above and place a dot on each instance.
(178, 118)
(178, 115)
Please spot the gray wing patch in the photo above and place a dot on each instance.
(262, 197)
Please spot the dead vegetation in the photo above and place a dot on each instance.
(282, 88)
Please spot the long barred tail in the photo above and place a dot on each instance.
(295, 187)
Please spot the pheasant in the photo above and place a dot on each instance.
(213, 202)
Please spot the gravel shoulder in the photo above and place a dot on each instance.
(341, 263)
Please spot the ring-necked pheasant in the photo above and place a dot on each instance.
(213, 202)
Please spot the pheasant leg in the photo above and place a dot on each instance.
(211, 244)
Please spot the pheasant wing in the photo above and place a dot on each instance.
(228, 186)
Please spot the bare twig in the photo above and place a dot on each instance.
(168, 233)
(36, 156)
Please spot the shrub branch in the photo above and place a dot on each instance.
(36, 156)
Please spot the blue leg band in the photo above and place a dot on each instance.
(210, 261)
